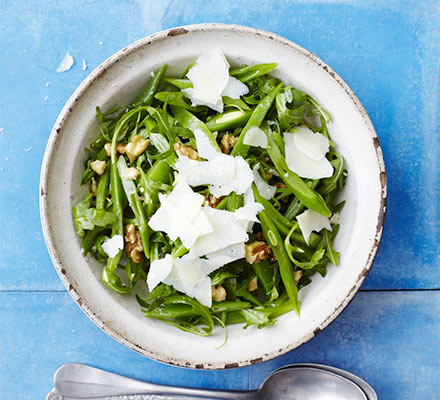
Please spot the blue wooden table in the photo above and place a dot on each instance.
(388, 52)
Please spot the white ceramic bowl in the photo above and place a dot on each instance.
(116, 82)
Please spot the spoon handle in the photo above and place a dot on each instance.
(79, 381)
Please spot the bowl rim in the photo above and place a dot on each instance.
(108, 63)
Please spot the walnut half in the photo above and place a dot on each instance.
(186, 151)
(136, 147)
(256, 252)
(98, 166)
(227, 143)
(133, 244)
(218, 293)
(120, 148)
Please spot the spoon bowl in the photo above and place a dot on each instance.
(309, 383)
(292, 382)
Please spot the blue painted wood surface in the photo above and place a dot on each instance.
(390, 339)
(388, 52)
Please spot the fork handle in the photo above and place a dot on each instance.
(79, 381)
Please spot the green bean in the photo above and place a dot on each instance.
(234, 317)
(99, 142)
(330, 252)
(228, 120)
(171, 311)
(198, 309)
(235, 202)
(223, 204)
(300, 189)
(280, 220)
(295, 207)
(179, 249)
(116, 192)
(242, 291)
(146, 96)
(101, 193)
(102, 189)
(151, 182)
(226, 306)
(191, 122)
(281, 308)
(221, 275)
(89, 173)
(179, 83)
(113, 282)
(90, 239)
(268, 312)
(276, 244)
(235, 103)
(159, 172)
(247, 73)
(174, 99)
(257, 117)
(136, 206)
(265, 274)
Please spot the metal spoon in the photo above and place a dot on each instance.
(369, 391)
(311, 382)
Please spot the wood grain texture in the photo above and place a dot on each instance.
(389, 339)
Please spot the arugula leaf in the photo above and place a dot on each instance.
(257, 317)
(86, 217)
(289, 117)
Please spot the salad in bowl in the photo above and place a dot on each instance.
(219, 188)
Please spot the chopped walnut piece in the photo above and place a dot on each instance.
(214, 201)
(227, 143)
(186, 151)
(133, 244)
(256, 252)
(130, 174)
(98, 166)
(269, 175)
(298, 275)
(280, 185)
(253, 284)
(218, 293)
(120, 148)
(136, 147)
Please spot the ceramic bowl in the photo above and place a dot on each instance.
(116, 82)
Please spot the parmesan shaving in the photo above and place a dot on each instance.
(256, 137)
(113, 245)
(66, 63)
(266, 190)
(209, 77)
(300, 163)
(234, 88)
(311, 221)
(313, 145)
